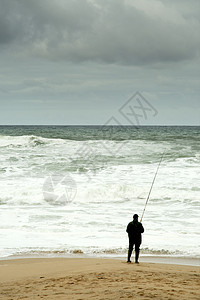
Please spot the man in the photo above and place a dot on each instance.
(134, 230)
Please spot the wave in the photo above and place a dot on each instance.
(27, 140)
(111, 252)
(103, 151)
(185, 134)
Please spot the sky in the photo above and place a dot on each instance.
(90, 62)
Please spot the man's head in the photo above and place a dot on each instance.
(135, 217)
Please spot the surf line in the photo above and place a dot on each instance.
(152, 186)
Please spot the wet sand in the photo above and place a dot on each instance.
(88, 278)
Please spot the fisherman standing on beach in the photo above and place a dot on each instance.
(134, 230)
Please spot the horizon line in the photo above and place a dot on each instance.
(103, 125)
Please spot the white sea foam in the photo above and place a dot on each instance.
(111, 186)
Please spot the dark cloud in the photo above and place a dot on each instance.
(10, 26)
(115, 31)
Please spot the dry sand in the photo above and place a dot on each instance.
(88, 278)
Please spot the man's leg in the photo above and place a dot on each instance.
(137, 251)
(130, 250)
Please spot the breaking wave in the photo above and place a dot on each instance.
(110, 179)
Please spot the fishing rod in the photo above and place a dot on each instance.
(152, 186)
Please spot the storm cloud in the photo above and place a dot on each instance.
(124, 32)
(79, 61)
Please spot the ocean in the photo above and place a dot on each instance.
(69, 190)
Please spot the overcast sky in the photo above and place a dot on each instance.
(80, 61)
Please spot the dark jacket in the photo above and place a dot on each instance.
(134, 230)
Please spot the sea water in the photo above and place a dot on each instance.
(73, 189)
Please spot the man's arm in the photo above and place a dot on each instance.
(141, 228)
(127, 228)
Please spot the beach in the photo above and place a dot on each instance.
(99, 150)
(96, 278)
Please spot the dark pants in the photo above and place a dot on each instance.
(137, 249)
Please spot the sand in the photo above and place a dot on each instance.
(88, 278)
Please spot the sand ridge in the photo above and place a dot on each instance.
(77, 279)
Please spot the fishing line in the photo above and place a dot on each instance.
(152, 186)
